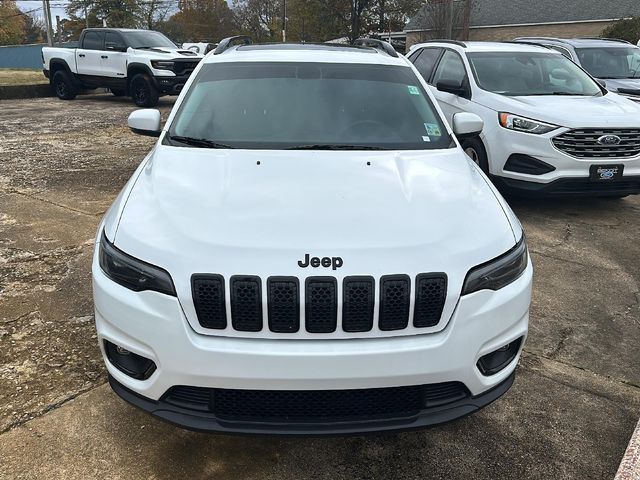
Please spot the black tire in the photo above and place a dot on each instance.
(474, 148)
(143, 91)
(64, 86)
(117, 92)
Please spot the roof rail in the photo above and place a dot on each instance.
(524, 42)
(229, 42)
(377, 44)
(555, 39)
(619, 40)
(453, 42)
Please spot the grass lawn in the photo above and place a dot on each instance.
(21, 76)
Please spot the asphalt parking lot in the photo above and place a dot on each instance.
(570, 414)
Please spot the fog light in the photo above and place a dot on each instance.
(495, 361)
(130, 363)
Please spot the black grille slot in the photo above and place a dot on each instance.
(283, 304)
(192, 398)
(246, 303)
(184, 67)
(357, 304)
(289, 406)
(584, 143)
(321, 304)
(431, 292)
(395, 293)
(208, 299)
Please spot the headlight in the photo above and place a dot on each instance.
(526, 125)
(162, 64)
(132, 273)
(498, 272)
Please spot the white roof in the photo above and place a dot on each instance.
(488, 47)
(321, 53)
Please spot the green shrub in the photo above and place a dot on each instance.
(627, 29)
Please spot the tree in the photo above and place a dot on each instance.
(117, 13)
(448, 18)
(12, 22)
(202, 20)
(625, 29)
(34, 30)
(262, 19)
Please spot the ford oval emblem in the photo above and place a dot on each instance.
(609, 140)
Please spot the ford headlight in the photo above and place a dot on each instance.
(526, 125)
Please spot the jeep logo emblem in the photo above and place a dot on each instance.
(315, 262)
(609, 140)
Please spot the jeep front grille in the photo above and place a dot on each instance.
(583, 143)
(359, 296)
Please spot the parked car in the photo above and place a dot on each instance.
(307, 249)
(550, 128)
(617, 62)
(140, 63)
(200, 47)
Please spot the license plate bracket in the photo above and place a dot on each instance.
(605, 173)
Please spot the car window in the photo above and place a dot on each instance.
(92, 41)
(612, 62)
(426, 60)
(450, 68)
(147, 39)
(114, 39)
(530, 73)
(290, 105)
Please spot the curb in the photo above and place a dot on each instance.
(630, 464)
(12, 92)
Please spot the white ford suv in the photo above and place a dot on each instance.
(549, 127)
(307, 249)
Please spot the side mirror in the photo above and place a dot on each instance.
(145, 122)
(467, 125)
(452, 86)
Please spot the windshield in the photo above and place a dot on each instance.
(147, 39)
(309, 105)
(620, 62)
(535, 73)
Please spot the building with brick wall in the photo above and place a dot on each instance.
(507, 19)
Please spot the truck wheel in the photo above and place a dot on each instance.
(117, 92)
(474, 149)
(63, 86)
(143, 91)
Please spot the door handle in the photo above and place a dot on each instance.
(81, 55)
(104, 56)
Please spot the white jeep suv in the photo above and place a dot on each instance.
(549, 127)
(307, 249)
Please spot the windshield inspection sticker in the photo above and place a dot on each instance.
(413, 90)
(426, 139)
(433, 130)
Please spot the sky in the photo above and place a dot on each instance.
(57, 8)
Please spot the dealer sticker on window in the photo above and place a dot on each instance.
(433, 130)
(413, 90)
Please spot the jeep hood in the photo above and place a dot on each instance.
(630, 86)
(258, 212)
(610, 110)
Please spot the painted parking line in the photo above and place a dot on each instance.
(630, 465)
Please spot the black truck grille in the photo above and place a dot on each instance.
(599, 143)
(319, 405)
(184, 67)
(321, 302)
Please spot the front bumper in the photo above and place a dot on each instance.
(170, 85)
(153, 325)
(571, 174)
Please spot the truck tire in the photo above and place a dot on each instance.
(117, 92)
(63, 85)
(143, 91)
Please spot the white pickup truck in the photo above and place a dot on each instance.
(143, 64)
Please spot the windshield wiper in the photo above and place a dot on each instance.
(326, 146)
(198, 142)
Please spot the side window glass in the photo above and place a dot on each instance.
(92, 41)
(426, 61)
(450, 69)
(114, 40)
